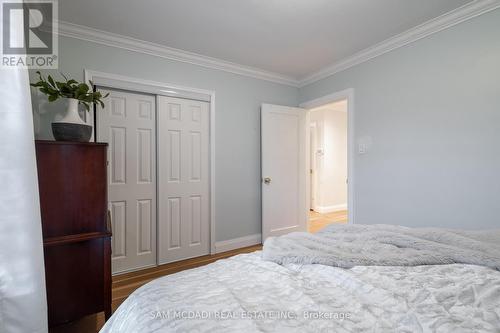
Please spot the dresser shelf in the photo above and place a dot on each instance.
(74, 238)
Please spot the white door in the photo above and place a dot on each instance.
(183, 179)
(284, 170)
(127, 124)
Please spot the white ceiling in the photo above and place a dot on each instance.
(290, 37)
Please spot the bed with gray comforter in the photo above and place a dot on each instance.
(351, 278)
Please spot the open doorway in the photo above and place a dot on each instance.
(285, 162)
(328, 159)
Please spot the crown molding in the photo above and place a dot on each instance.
(454, 17)
(131, 44)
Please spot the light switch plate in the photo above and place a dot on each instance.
(362, 148)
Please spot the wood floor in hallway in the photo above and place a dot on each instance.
(318, 221)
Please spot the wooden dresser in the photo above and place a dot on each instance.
(76, 231)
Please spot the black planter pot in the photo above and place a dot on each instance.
(71, 132)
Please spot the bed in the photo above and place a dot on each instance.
(257, 292)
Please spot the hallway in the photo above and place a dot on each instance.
(318, 221)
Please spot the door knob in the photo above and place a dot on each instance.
(267, 180)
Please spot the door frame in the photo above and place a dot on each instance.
(330, 98)
(313, 127)
(117, 81)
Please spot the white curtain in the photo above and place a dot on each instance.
(23, 306)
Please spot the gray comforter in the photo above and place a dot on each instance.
(385, 245)
(244, 293)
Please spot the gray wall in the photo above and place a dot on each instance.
(238, 99)
(432, 110)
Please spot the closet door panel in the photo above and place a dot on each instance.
(128, 124)
(183, 179)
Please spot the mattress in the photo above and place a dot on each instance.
(248, 294)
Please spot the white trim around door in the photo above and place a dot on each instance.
(330, 98)
(116, 81)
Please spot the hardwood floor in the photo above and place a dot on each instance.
(318, 221)
(125, 284)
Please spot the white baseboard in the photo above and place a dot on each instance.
(330, 209)
(237, 243)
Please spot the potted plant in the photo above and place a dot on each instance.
(71, 127)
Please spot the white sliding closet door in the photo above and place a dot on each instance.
(128, 124)
(183, 179)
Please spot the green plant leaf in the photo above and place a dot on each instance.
(51, 81)
(52, 98)
(82, 88)
(69, 89)
(60, 85)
